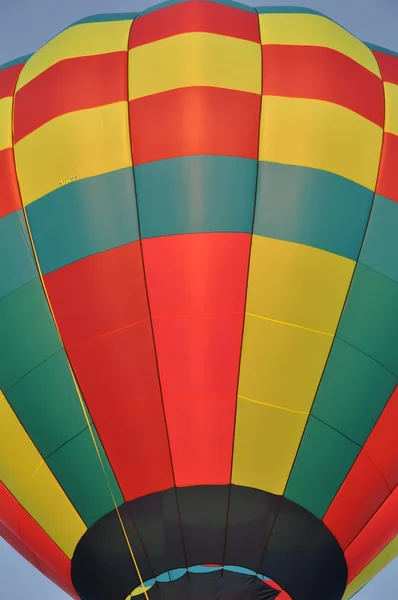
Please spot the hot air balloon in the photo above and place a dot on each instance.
(199, 305)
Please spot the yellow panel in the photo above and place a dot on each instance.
(391, 95)
(315, 30)
(373, 568)
(193, 59)
(5, 123)
(318, 282)
(73, 146)
(266, 442)
(87, 39)
(27, 476)
(322, 135)
(281, 365)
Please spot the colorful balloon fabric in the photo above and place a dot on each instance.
(199, 305)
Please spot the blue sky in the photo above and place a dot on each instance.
(25, 25)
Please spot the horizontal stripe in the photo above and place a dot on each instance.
(195, 194)
(19, 267)
(194, 120)
(391, 95)
(8, 79)
(10, 200)
(194, 59)
(75, 146)
(271, 351)
(266, 441)
(194, 16)
(322, 74)
(28, 334)
(34, 541)
(70, 85)
(353, 392)
(311, 207)
(380, 247)
(313, 482)
(370, 319)
(388, 63)
(5, 120)
(387, 184)
(372, 477)
(293, 131)
(86, 217)
(32, 483)
(373, 568)
(314, 30)
(317, 280)
(374, 537)
(81, 40)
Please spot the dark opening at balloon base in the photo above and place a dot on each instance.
(181, 537)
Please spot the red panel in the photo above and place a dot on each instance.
(198, 328)
(375, 536)
(387, 184)
(21, 531)
(217, 261)
(361, 494)
(10, 199)
(8, 80)
(118, 377)
(199, 364)
(16, 543)
(194, 120)
(388, 66)
(99, 294)
(101, 309)
(70, 85)
(322, 74)
(382, 445)
(375, 469)
(284, 596)
(197, 15)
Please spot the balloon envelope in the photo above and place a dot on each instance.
(199, 305)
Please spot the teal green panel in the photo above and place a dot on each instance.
(77, 467)
(287, 9)
(380, 49)
(47, 404)
(167, 3)
(380, 247)
(196, 194)
(21, 60)
(83, 218)
(323, 461)
(311, 207)
(17, 265)
(105, 18)
(370, 318)
(353, 392)
(27, 333)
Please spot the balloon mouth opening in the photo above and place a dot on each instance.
(175, 574)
